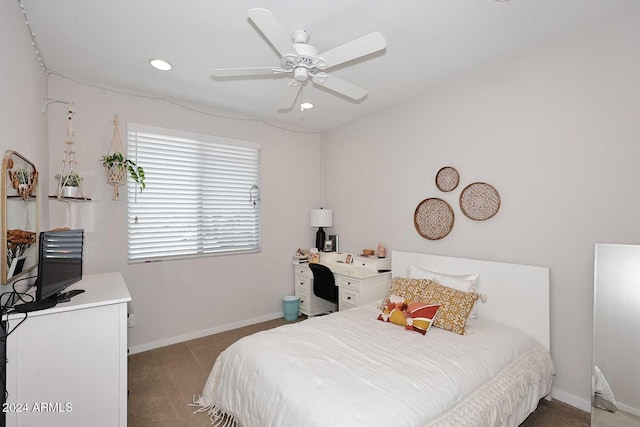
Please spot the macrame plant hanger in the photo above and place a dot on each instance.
(69, 162)
(116, 172)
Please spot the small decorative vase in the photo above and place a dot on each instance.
(71, 192)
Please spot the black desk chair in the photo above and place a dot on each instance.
(324, 284)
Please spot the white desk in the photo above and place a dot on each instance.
(358, 283)
(73, 358)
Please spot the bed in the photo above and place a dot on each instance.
(350, 369)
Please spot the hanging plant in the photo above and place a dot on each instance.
(117, 166)
(22, 175)
(72, 179)
(69, 184)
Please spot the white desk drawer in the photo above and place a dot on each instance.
(303, 270)
(371, 263)
(303, 283)
(348, 297)
(305, 302)
(348, 283)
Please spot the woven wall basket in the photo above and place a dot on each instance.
(433, 218)
(447, 179)
(479, 201)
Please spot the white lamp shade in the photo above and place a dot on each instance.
(321, 218)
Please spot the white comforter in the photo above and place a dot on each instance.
(349, 369)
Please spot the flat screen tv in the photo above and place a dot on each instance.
(59, 266)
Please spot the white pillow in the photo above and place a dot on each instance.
(460, 282)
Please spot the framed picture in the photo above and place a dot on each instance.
(331, 244)
(349, 259)
(334, 239)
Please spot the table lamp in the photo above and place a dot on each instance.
(320, 218)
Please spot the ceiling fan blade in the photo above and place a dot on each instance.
(239, 72)
(289, 96)
(272, 30)
(343, 87)
(355, 49)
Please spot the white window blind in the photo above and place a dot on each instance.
(198, 196)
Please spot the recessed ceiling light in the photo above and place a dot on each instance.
(160, 64)
(306, 106)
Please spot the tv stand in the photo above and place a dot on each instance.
(73, 357)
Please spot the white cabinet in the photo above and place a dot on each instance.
(310, 304)
(68, 365)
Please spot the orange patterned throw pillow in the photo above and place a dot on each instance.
(455, 306)
(414, 316)
(409, 289)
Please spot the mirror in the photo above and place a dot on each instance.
(615, 396)
(20, 216)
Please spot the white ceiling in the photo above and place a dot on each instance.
(428, 41)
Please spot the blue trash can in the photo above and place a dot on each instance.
(291, 306)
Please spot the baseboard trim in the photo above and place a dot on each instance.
(570, 399)
(629, 409)
(199, 334)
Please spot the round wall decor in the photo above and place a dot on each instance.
(479, 201)
(447, 179)
(433, 218)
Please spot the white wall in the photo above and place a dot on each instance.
(174, 300)
(22, 85)
(556, 130)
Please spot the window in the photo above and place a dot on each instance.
(201, 196)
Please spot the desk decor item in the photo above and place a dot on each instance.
(433, 218)
(334, 240)
(320, 218)
(479, 201)
(447, 179)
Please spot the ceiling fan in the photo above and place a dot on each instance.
(302, 61)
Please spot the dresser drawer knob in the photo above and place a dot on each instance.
(348, 297)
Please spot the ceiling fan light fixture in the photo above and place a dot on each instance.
(160, 64)
(306, 106)
(301, 74)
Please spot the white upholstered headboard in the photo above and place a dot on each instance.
(517, 295)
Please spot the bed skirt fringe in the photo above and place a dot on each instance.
(218, 416)
(508, 388)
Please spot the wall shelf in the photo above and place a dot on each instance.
(20, 198)
(70, 199)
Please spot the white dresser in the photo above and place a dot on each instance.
(67, 365)
(365, 280)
